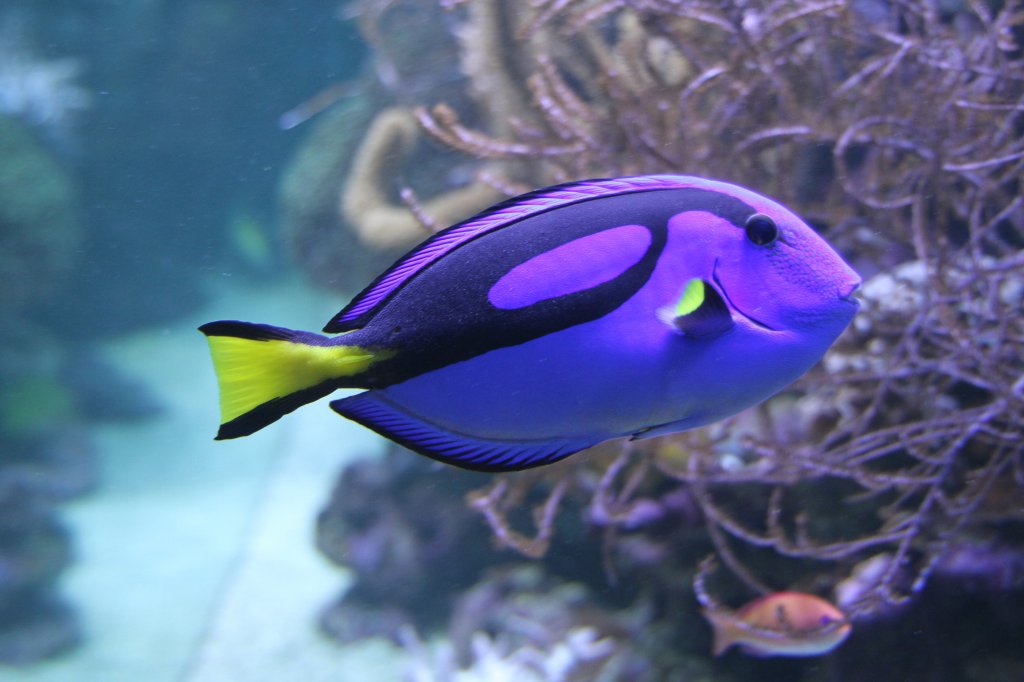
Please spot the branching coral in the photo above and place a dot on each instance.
(364, 203)
(377, 199)
(520, 625)
(894, 127)
(744, 89)
(578, 657)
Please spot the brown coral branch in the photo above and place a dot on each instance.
(364, 199)
(443, 123)
(489, 503)
(918, 412)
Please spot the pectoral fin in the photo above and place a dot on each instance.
(701, 312)
(684, 424)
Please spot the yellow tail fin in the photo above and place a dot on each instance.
(265, 372)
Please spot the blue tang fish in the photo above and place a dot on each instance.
(627, 307)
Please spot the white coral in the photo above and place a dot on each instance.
(41, 92)
(580, 656)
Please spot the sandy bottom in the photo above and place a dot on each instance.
(195, 560)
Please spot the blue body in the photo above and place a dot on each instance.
(558, 320)
(531, 390)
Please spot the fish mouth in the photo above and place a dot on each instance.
(725, 294)
(849, 297)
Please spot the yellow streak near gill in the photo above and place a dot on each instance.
(251, 372)
(692, 298)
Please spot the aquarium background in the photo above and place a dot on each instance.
(163, 164)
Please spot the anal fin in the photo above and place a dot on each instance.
(376, 412)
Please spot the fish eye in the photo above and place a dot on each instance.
(761, 229)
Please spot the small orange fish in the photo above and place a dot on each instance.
(780, 624)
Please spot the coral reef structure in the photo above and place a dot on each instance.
(399, 524)
(41, 234)
(377, 221)
(512, 625)
(51, 387)
(45, 455)
(809, 101)
(34, 550)
(894, 128)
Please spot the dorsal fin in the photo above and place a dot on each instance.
(358, 312)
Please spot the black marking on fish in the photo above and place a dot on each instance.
(272, 410)
(442, 315)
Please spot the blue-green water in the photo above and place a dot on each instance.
(164, 164)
